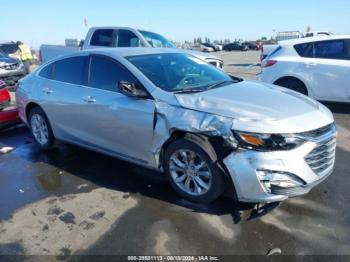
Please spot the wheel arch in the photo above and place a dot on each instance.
(295, 78)
(30, 107)
(177, 134)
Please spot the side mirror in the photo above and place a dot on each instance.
(131, 89)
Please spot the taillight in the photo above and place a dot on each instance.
(268, 63)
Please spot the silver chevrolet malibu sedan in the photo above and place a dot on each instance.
(208, 131)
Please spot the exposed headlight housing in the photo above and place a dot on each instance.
(267, 142)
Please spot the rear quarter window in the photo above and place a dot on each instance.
(46, 71)
(304, 50)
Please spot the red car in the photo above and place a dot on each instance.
(8, 113)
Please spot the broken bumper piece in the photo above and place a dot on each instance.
(263, 177)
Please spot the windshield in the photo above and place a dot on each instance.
(180, 73)
(9, 48)
(156, 40)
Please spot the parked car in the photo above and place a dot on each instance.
(167, 110)
(113, 37)
(318, 67)
(235, 47)
(251, 45)
(218, 47)
(8, 113)
(4, 96)
(11, 69)
(208, 47)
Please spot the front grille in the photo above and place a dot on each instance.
(322, 157)
(318, 132)
(10, 66)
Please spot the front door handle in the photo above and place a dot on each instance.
(47, 90)
(89, 99)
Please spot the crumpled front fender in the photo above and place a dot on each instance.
(170, 118)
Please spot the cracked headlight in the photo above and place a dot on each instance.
(267, 142)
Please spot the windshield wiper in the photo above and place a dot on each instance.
(189, 91)
(206, 88)
(219, 83)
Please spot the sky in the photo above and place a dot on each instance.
(39, 22)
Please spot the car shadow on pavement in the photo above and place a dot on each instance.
(67, 167)
(338, 108)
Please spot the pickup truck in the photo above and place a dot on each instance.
(115, 37)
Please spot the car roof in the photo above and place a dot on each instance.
(312, 39)
(111, 27)
(116, 28)
(122, 52)
(132, 51)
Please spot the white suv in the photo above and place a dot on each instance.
(318, 67)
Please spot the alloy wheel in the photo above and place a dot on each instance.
(39, 129)
(190, 172)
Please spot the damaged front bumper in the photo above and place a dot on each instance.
(262, 177)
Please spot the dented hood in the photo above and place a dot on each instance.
(258, 107)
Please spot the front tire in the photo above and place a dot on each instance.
(192, 170)
(40, 128)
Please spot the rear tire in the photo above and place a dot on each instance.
(293, 84)
(40, 128)
(192, 170)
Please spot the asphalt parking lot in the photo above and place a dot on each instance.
(74, 201)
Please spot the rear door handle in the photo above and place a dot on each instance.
(47, 90)
(89, 99)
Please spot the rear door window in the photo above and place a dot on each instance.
(335, 49)
(70, 70)
(103, 37)
(105, 73)
(127, 38)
